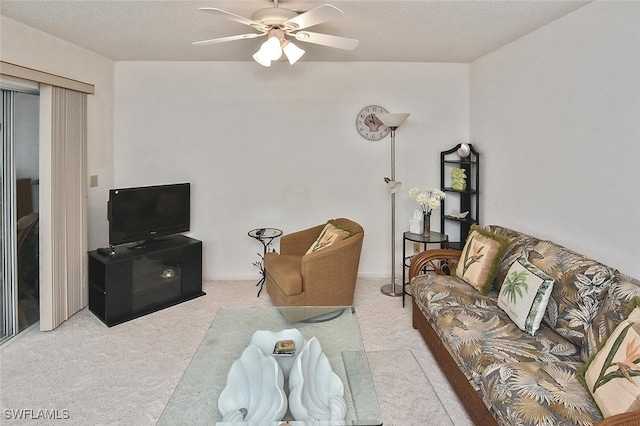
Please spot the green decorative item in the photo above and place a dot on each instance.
(459, 178)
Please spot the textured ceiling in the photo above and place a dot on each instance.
(389, 31)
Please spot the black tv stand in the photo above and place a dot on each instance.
(133, 283)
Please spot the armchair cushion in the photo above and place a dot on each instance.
(288, 273)
(331, 233)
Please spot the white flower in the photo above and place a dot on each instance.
(422, 198)
(429, 199)
(433, 202)
(414, 192)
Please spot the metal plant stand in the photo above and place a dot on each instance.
(266, 237)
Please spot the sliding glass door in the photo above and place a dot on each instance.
(19, 179)
(8, 327)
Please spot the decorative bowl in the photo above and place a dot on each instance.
(315, 390)
(255, 389)
(266, 341)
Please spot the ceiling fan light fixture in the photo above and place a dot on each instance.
(292, 52)
(271, 48)
(261, 58)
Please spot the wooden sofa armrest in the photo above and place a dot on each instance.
(626, 419)
(441, 261)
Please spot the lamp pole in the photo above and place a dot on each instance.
(393, 121)
(390, 289)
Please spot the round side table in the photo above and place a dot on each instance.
(266, 237)
(433, 238)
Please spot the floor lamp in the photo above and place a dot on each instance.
(393, 121)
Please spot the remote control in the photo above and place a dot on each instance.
(108, 251)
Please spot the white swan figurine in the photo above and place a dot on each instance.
(315, 390)
(254, 390)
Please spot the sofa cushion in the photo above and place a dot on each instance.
(286, 272)
(581, 285)
(525, 294)
(330, 234)
(485, 336)
(480, 258)
(477, 332)
(532, 393)
(577, 296)
(439, 292)
(613, 375)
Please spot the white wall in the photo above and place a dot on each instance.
(278, 146)
(556, 115)
(25, 46)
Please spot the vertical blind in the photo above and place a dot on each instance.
(63, 191)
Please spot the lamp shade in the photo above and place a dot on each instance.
(261, 58)
(272, 48)
(292, 52)
(393, 120)
(393, 186)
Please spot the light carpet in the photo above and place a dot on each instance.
(85, 373)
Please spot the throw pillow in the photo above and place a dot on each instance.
(480, 258)
(613, 375)
(330, 234)
(524, 295)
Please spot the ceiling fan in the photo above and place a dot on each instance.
(276, 23)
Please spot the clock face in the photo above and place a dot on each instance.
(369, 126)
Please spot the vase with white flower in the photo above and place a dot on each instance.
(427, 200)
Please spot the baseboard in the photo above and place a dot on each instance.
(248, 277)
(256, 277)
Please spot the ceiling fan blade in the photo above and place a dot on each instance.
(237, 18)
(315, 16)
(230, 38)
(327, 40)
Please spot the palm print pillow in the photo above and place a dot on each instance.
(524, 295)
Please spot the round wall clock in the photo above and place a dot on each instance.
(369, 126)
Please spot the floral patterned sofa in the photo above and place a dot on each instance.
(502, 374)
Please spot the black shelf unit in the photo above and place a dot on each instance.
(461, 200)
(133, 283)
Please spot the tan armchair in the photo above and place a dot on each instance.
(325, 277)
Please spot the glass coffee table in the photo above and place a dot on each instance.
(195, 399)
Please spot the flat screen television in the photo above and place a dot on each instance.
(146, 213)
